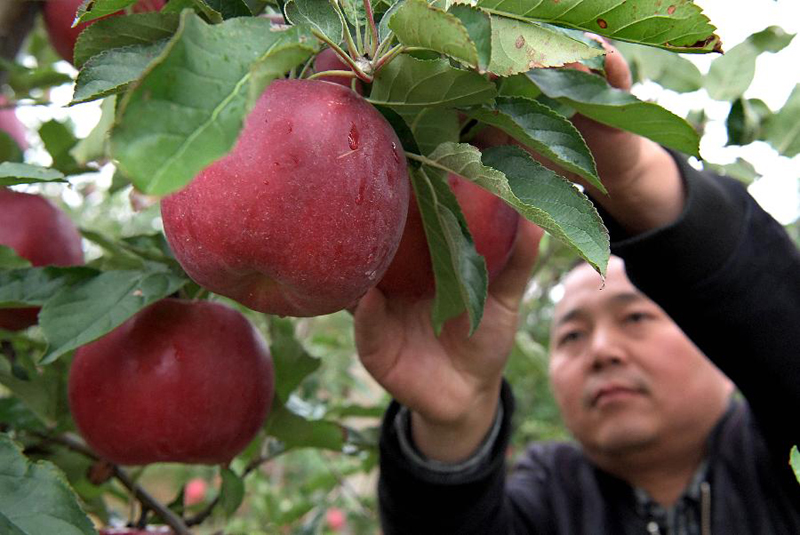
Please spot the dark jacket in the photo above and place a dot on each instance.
(729, 275)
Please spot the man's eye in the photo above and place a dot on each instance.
(636, 317)
(570, 336)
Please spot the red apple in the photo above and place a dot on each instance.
(304, 215)
(11, 125)
(60, 14)
(492, 223)
(335, 519)
(39, 232)
(328, 60)
(181, 381)
(194, 491)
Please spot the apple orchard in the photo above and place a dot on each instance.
(177, 351)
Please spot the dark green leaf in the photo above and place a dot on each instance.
(295, 431)
(681, 26)
(12, 174)
(432, 127)
(459, 271)
(10, 260)
(112, 71)
(593, 97)
(479, 28)
(59, 139)
(319, 14)
(744, 121)
(383, 25)
(232, 492)
(229, 8)
(86, 311)
(117, 32)
(94, 9)
(412, 84)
(292, 362)
(35, 499)
(189, 107)
(543, 130)
(25, 79)
(9, 150)
(401, 128)
(15, 414)
(34, 286)
(794, 461)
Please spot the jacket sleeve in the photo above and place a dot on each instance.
(729, 275)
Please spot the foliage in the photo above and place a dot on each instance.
(175, 88)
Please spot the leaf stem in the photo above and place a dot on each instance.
(389, 56)
(343, 74)
(427, 161)
(343, 56)
(372, 28)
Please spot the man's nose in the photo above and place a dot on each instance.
(606, 348)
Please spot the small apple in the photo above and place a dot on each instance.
(181, 381)
(194, 491)
(40, 232)
(492, 223)
(11, 125)
(335, 519)
(328, 60)
(304, 215)
(60, 14)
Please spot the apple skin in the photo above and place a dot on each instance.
(59, 15)
(11, 125)
(180, 381)
(40, 232)
(492, 223)
(327, 60)
(304, 215)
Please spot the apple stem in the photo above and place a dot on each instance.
(373, 30)
(170, 518)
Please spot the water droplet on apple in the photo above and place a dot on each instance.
(352, 137)
(394, 153)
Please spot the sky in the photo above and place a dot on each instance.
(776, 75)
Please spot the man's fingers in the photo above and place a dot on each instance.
(510, 284)
(370, 319)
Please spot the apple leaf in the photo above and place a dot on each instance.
(43, 390)
(781, 129)
(10, 260)
(518, 85)
(9, 149)
(408, 83)
(189, 107)
(113, 71)
(518, 46)
(292, 361)
(33, 286)
(479, 28)
(665, 68)
(417, 23)
(536, 192)
(296, 431)
(383, 25)
(403, 131)
(319, 14)
(17, 415)
(83, 312)
(231, 494)
(592, 96)
(543, 130)
(117, 32)
(745, 119)
(459, 271)
(228, 9)
(794, 462)
(12, 174)
(92, 148)
(433, 126)
(59, 140)
(35, 498)
(678, 26)
(94, 9)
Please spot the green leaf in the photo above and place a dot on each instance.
(35, 498)
(744, 120)
(9, 150)
(86, 311)
(782, 129)
(419, 24)
(740, 169)
(34, 286)
(292, 362)
(383, 25)
(401, 128)
(479, 28)
(94, 9)
(518, 85)
(189, 107)
(679, 26)
(433, 126)
(113, 71)
(12, 173)
(17, 415)
(593, 97)
(232, 492)
(59, 139)
(319, 14)
(43, 390)
(10, 260)
(519, 46)
(117, 32)
(536, 192)
(543, 130)
(92, 148)
(295, 431)
(25, 79)
(459, 271)
(408, 83)
(731, 74)
(771, 39)
(665, 68)
(229, 9)
(794, 462)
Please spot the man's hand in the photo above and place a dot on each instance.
(451, 383)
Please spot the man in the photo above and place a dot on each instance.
(663, 446)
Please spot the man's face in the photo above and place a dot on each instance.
(623, 373)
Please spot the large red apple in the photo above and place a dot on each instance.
(304, 215)
(60, 14)
(180, 381)
(492, 223)
(40, 232)
(11, 125)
